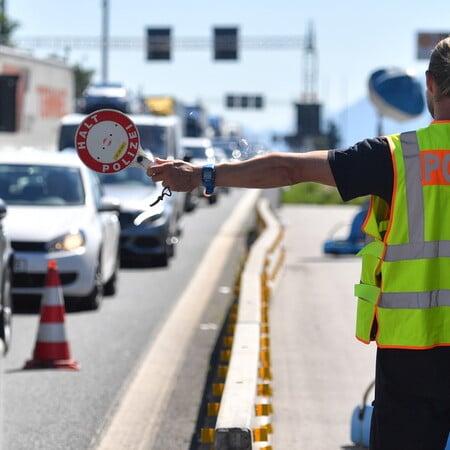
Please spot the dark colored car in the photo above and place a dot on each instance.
(148, 233)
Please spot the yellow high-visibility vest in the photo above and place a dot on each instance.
(404, 291)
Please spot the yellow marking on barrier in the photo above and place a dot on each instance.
(207, 435)
(225, 355)
(222, 371)
(277, 241)
(265, 304)
(213, 409)
(264, 314)
(264, 373)
(263, 409)
(265, 329)
(267, 295)
(217, 389)
(264, 275)
(278, 265)
(227, 341)
(264, 357)
(264, 390)
(268, 447)
(232, 318)
(264, 341)
(230, 329)
(260, 434)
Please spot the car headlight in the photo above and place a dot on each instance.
(67, 242)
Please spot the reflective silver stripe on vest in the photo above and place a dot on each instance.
(414, 300)
(414, 192)
(432, 249)
(417, 248)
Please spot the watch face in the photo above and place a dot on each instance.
(207, 175)
(208, 179)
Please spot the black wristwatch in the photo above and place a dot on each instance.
(208, 179)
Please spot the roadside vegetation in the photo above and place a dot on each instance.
(314, 193)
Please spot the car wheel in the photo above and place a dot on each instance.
(6, 310)
(212, 199)
(94, 299)
(171, 248)
(162, 259)
(190, 202)
(110, 287)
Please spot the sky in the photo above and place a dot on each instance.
(353, 39)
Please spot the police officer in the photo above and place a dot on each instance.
(404, 292)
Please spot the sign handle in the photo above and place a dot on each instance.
(143, 159)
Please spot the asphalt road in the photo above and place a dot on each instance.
(320, 370)
(55, 410)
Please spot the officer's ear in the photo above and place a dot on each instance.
(430, 82)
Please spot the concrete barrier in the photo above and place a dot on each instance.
(243, 420)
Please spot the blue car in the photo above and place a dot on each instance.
(356, 239)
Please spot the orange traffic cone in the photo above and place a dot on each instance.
(52, 348)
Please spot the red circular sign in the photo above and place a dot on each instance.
(107, 141)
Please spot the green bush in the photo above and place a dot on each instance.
(314, 193)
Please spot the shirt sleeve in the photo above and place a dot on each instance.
(363, 169)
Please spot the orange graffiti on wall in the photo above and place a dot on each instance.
(52, 102)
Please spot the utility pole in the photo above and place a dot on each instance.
(105, 40)
(310, 69)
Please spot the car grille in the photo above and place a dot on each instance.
(33, 280)
(23, 246)
(142, 242)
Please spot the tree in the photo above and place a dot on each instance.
(82, 79)
(7, 27)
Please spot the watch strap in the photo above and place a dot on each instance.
(209, 178)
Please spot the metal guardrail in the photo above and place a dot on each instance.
(245, 407)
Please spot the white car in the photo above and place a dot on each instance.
(57, 211)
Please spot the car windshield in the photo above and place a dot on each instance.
(154, 138)
(41, 185)
(130, 176)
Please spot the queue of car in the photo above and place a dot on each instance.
(54, 208)
(148, 234)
